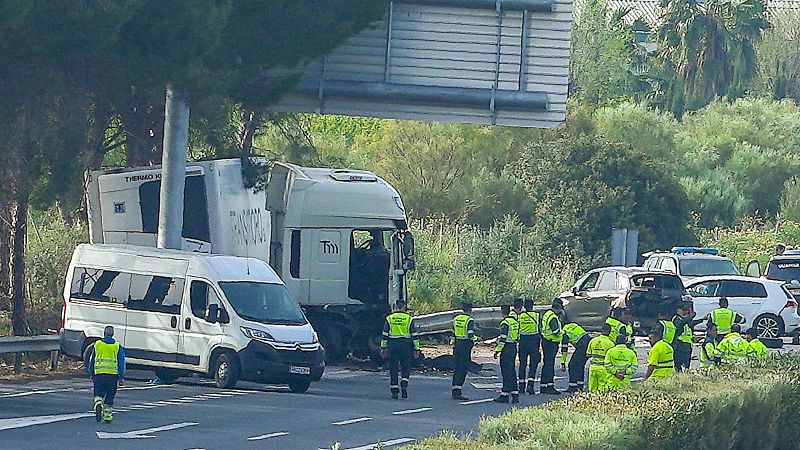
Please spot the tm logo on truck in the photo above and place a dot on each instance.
(248, 227)
(329, 248)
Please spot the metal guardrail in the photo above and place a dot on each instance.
(22, 344)
(442, 322)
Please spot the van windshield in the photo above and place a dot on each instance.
(263, 302)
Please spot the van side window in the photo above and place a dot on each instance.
(294, 260)
(100, 285)
(155, 293)
(201, 295)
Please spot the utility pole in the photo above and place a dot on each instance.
(173, 170)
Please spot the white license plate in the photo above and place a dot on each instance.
(300, 370)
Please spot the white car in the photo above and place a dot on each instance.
(765, 304)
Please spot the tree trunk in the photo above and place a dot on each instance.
(5, 254)
(247, 132)
(19, 225)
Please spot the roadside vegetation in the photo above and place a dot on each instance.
(754, 406)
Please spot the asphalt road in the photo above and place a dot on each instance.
(352, 408)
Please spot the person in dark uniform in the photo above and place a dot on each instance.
(552, 334)
(529, 347)
(507, 351)
(401, 345)
(575, 334)
(463, 341)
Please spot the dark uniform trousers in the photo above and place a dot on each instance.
(683, 355)
(577, 363)
(400, 355)
(105, 386)
(462, 352)
(529, 352)
(508, 367)
(549, 351)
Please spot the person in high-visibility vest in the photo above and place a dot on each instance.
(530, 343)
(733, 346)
(552, 333)
(668, 331)
(598, 347)
(756, 348)
(724, 318)
(107, 370)
(661, 360)
(507, 351)
(684, 329)
(463, 340)
(401, 346)
(621, 363)
(574, 334)
(614, 321)
(709, 351)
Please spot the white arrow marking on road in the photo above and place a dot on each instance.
(473, 402)
(21, 422)
(411, 411)
(488, 386)
(348, 422)
(383, 444)
(143, 434)
(267, 436)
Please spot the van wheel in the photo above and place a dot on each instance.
(167, 376)
(226, 371)
(299, 386)
(87, 351)
(769, 326)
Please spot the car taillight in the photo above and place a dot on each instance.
(63, 313)
(790, 304)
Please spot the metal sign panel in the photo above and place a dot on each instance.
(500, 62)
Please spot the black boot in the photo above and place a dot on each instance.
(404, 389)
(514, 398)
(395, 391)
(521, 386)
(550, 390)
(530, 389)
(503, 398)
(457, 395)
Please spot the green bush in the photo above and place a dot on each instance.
(749, 407)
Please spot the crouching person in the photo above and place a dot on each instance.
(621, 363)
(107, 369)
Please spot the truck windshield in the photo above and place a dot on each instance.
(263, 302)
(699, 267)
(783, 270)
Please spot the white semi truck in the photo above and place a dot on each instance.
(338, 238)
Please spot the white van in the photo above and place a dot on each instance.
(179, 312)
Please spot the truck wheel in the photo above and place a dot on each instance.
(769, 326)
(87, 351)
(167, 376)
(299, 386)
(226, 370)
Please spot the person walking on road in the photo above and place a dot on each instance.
(107, 370)
(552, 333)
(507, 351)
(401, 345)
(756, 348)
(684, 328)
(529, 347)
(709, 352)
(661, 361)
(724, 317)
(598, 347)
(620, 363)
(733, 347)
(463, 341)
(574, 334)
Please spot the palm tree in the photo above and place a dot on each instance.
(706, 50)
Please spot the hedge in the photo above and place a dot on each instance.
(755, 406)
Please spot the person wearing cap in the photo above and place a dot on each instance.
(733, 347)
(709, 351)
(463, 340)
(724, 318)
(574, 334)
(552, 334)
(620, 364)
(507, 351)
(684, 328)
(529, 347)
(756, 348)
(401, 345)
(661, 360)
(780, 247)
(596, 352)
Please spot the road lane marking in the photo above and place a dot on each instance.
(268, 436)
(142, 388)
(474, 402)
(487, 386)
(21, 422)
(143, 434)
(383, 444)
(348, 422)
(27, 393)
(410, 411)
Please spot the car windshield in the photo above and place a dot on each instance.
(263, 302)
(700, 267)
(784, 270)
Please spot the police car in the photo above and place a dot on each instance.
(690, 262)
(784, 267)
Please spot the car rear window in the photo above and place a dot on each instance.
(658, 281)
(784, 269)
(736, 288)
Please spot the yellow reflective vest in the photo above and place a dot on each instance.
(106, 358)
(399, 326)
(547, 330)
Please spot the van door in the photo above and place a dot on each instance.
(152, 325)
(97, 299)
(198, 335)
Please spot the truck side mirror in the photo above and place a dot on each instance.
(408, 245)
(212, 313)
(753, 269)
